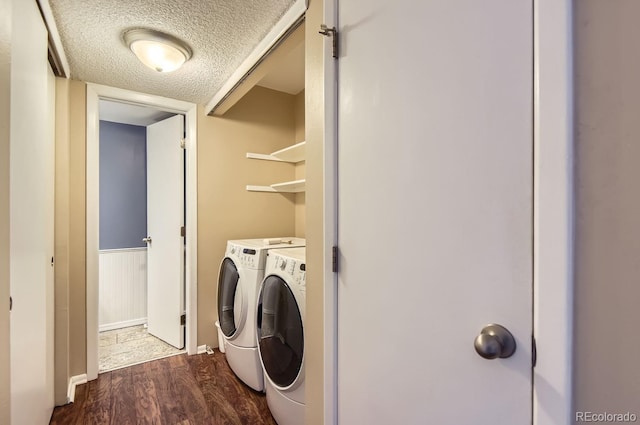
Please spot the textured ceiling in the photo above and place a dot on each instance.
(222, 33)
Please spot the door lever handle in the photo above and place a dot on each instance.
(147, 239)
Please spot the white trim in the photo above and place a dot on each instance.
(96, 92)
(553, 212)
(123, 324)
(291, 17)
(74, 381)
(110, 251)
(330, 214)
(191, 224)
(92, 235)
(202, 349)
(54, 35)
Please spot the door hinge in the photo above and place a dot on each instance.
(183, 144)
(333, 33)
(183, 319)
(334, 260)
(183, 231)
(534, 352)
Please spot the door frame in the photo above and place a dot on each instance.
(95, 92)
(553, 214)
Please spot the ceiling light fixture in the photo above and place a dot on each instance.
(159, 51)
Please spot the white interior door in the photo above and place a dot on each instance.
(31, 219)
(435, 210)
(165, 217)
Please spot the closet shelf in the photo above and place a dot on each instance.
(294, 153)
(294, 186)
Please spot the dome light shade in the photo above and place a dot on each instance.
(160, 52)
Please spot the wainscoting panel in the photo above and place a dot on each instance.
(123, 288)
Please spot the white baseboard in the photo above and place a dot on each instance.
(205, 349)
(73, 382)
(123, 324)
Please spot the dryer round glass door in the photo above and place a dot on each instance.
(280, 334)
(229, 298)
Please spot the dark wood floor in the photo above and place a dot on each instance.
(178, 390)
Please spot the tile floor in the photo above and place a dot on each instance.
(129, 346)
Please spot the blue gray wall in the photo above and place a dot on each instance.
(123, 185)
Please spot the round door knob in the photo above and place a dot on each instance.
(147, 239)
(495, 341)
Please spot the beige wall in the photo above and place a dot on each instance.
(70, 231)
(607, 266)
(300, 198)
(314, 125)
(5, 89)
(62, 184)
(261, 122)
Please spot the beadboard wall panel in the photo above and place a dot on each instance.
(123, 288)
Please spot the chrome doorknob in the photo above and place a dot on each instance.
(495, 341)
(147, 239)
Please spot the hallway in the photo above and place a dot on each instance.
(184, 390)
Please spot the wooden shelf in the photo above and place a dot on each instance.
(293, 154)
(294, 186)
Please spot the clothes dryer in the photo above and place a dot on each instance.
(280, 332)
(241, 273)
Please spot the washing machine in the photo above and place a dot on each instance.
(241, 273)
(280, 333)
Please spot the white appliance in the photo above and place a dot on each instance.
(241, 273)
(280, 331)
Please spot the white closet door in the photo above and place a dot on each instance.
(31, 217)
(435, 210)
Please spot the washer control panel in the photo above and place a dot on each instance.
(247, 257)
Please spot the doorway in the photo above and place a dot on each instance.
(129, 300)
(95, 94)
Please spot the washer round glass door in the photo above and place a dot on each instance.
(280, 333)
(229, 298)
